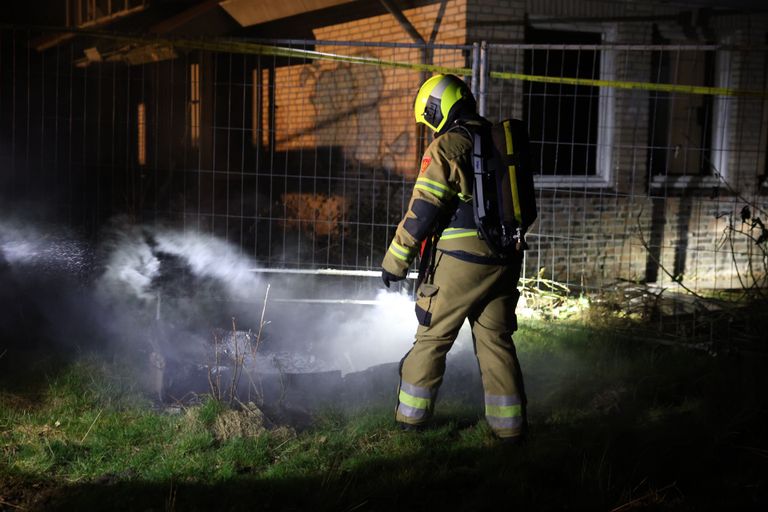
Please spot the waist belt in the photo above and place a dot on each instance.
(482, 260)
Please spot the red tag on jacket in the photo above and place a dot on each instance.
(425, 163)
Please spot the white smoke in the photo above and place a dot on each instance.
(349, 337)
(211, 257)
(137, 266)
(368, 335)
(134, 254)
(379, 334)
(130, 266)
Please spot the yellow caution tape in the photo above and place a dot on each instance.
(247, 48)
(617, 84)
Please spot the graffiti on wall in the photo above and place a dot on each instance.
(362, 113)
(354, 110)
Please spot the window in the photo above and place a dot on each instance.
(567, 123)
(689, 135)
(141, 135)
(194, 104)
(680, 130)
(255, 107)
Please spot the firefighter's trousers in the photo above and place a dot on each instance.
(487, 296)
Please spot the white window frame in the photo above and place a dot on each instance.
(762, 156)
(606, 111)
(720, 148)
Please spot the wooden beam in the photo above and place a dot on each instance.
(255, 12)
(51, 40)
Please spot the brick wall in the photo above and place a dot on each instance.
(698, 244)
(599, 239)
(365, 110)
(584, 236)
(588, 240)
(589, 237)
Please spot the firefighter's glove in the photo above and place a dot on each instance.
(388, 277)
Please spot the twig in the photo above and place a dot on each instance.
(754, 206)
(17, 507)
(53, 455)
(215, 382)
(733, 256)
(650, 493)
(258, 390)
(257, 343)
(359, 505)
(722, 179)
(238, 364)
(548, 283)
(281, 373)
(3, 353)
(640, 484)
(755, 281)
(170, 502)
(645, 245)
(92, 424)
(210, 380)
(282, 444)
(261, 321)
(759, 451)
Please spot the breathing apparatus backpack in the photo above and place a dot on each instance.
(503, 197)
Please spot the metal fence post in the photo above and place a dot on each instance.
(483, 72)
(474, 86)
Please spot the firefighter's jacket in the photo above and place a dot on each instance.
(442, 198)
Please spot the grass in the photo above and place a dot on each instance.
(615, 426)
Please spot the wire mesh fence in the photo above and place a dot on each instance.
(644, 161)
(644, 156)
(303, 163)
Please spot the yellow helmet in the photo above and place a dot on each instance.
(438, 98)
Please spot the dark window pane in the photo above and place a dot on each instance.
(562, 119)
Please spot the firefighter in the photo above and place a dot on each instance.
(465, 279)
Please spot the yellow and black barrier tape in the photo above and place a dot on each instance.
(251, 48)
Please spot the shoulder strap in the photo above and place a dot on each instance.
(478, 169)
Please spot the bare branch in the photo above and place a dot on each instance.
(92, 424)
(262, 323)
